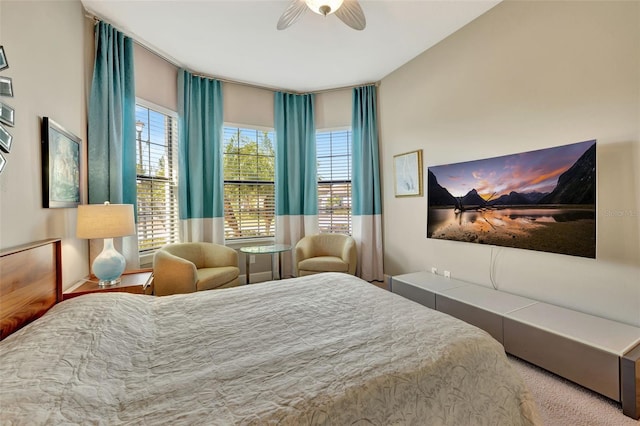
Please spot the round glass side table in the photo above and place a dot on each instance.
(273, 249)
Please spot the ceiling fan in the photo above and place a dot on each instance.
(348, 11)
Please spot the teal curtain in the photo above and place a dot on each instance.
(112, 120)
(201, 179)
(111, 145)
(365, 182)
(296, 170)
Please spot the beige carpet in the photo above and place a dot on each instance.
(563, 403)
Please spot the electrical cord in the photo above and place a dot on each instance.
(492, 268)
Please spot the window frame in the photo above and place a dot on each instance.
(146, 255)
(332, 182)
(247, 240)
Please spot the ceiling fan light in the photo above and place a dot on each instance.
(324, 7)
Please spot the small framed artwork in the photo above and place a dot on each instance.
(3, 59)
(7, 114)
(5, 139)
(3, 162)
(407, 173)
(6, 86)
(61, 154)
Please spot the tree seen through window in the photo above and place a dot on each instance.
(249, 192)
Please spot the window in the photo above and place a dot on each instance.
(333, 151)
(249, 191)
(157, 142)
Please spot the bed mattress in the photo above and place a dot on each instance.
(326, 349)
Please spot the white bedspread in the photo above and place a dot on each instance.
(325, 349)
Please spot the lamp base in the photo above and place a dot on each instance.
(109, 283)
(108, 265)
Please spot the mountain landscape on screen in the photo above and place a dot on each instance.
(538, 200)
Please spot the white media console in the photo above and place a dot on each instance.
(597, 353)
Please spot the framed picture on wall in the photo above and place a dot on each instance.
(407, 173)
(3, 59)
(7, 114)
(6, 86)
(5, 139)
(61, 154)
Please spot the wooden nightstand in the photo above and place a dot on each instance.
(138, 282)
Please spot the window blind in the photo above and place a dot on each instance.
(333, 151)
(156, 164)
(249, 191)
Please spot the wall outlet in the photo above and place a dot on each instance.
(447, 274)
(252, 258)
(434, 270)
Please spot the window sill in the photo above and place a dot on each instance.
(237, 244)
(146, 259)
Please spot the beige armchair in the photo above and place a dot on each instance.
(325, 253)
(190, 267)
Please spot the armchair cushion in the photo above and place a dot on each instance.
(323, 264)
(325, 253)
(220, 277)
(189, 267)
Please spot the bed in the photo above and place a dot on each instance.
(326, 349)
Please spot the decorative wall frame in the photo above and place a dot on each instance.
(542, 200)
(3, 59)
(5, 139)
(6, 86)
(61, 154)
(407, 173)
(7, 114)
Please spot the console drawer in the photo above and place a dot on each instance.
(581, 363)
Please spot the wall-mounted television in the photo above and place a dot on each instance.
(537, 200)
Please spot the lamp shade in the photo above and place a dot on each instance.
(105, 220)
(324, 7)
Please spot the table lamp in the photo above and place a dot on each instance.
(106, 221)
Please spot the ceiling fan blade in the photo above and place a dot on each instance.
(351, 14)
(294, 11)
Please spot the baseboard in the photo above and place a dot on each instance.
(387, 281)
(256, 277)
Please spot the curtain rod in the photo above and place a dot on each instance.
(175, 63)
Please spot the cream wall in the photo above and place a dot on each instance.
(333, 109)
(524, 76)
(45, 43)
(156, 79)
(255, 106)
